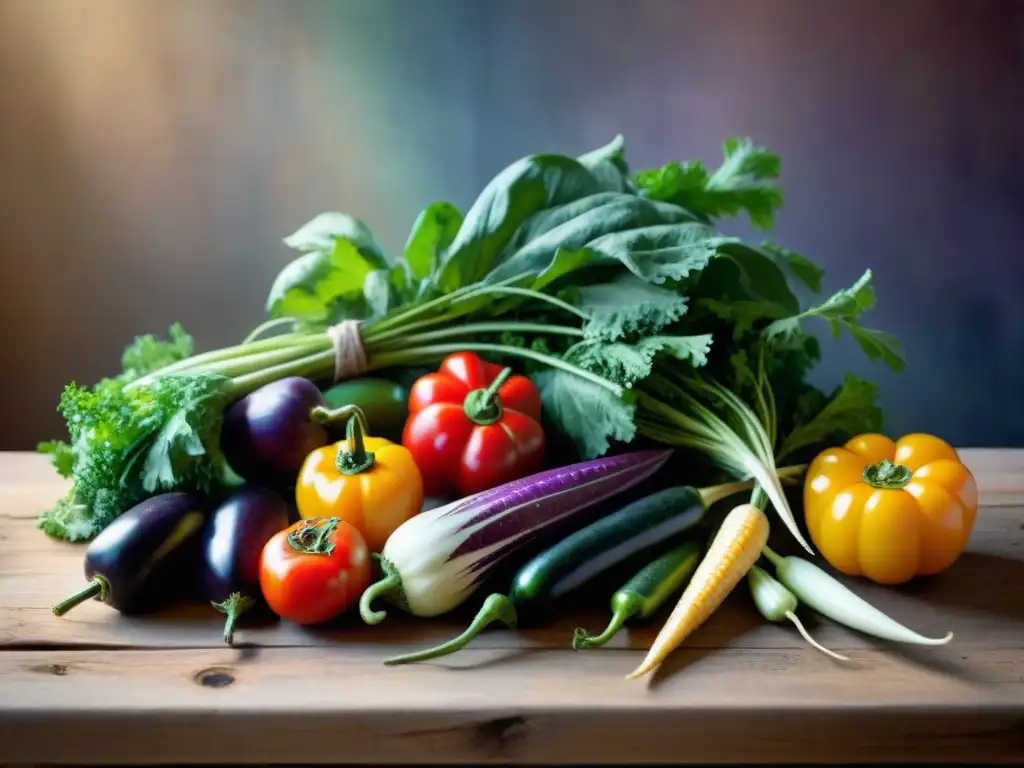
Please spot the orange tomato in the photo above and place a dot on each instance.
(369, 482)
(890, 511)
(314, 570)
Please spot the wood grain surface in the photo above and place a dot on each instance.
(164, 688)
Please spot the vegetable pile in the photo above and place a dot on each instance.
(580, 323)
(631, 311)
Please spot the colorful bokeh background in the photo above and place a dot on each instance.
(153, 154)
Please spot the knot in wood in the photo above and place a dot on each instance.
(215, 677)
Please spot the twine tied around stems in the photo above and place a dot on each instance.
(349, 353)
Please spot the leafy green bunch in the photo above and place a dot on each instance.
(617, 292)
(125, 445)
(630, 308)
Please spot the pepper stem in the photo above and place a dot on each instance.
(886, 475)
(496, 607)
(98, 587)
(391, 584)
(626, 606)
(233, 607)
(353, 457)
(321, 414)
(483, 406)
(313, 537)
(773, 557)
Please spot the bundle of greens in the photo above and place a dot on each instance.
(634, 314)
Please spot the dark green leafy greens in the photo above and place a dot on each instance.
(746, 181)
(616, 291)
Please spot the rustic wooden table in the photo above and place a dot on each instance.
(96, 687)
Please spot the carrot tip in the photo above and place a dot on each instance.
(638, 672)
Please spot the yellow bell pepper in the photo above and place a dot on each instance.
(369, 482)
(890, 511)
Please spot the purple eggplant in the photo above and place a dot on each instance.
(435, 560)
(268, 433)
(233, 539)
(144, 558)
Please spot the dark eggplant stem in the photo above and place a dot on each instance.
(314, 536)
(97, 588)
(233, 607)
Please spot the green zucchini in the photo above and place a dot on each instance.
(645, 592)
(385, 404)
(591, 551)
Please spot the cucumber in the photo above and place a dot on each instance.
(593, 550)
(645, 592)
(385, 404)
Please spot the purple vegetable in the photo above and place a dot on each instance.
(437, 559)
(143, 559)
(268, 433)
(232, 543)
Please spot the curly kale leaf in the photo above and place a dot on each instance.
(127, 444)
(747, 181)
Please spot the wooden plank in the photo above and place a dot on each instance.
(164, 689)
(332, 705)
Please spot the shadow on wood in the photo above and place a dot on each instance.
(977, 583)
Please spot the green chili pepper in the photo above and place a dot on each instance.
(776, 603)
(645, 592)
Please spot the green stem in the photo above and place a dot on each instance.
(427, 354)
(318, 366)
(353, 457)
(887, 476)
(400, 319)
(241, 366)
(716, 493)
(372, 337)
(411, 341)
(260, 329)
(233, 607)
(500, 290)
(390, 585)
(321, 414)
(773, 557)
(626, 607)
(483, 406)
(496, 607)
(98, 588)
(228, 353)
(313, 537)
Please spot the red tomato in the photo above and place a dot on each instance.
(473, 426)
(314, 570)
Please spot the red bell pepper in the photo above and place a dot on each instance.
(473, 426)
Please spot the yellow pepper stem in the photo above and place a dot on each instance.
(321, 414)
(353, 457)
(887, 475)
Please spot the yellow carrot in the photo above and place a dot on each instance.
(733, 551)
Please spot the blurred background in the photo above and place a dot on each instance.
(153, 154)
